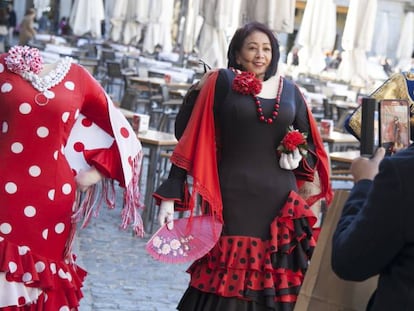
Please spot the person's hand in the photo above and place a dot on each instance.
(364, 168)
(86, 178)
(166, 214)
(290, 161)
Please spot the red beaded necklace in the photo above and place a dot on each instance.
(276, 106)
(247, 83)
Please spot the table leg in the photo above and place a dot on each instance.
(148, 213)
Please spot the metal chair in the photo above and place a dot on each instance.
(114, 78)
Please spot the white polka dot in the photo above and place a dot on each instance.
(25, 108)
(23, 250)
(29, 211)
(45, 234)
(59, 228)
(66, 188)
(5, 228)
(34, 171)
(65, 116)
(12, 267)
(76, 114)
(51, 194)
(53, 268)
(64, 308)
(16, 147)
(6, 87)
(11, 187)
(1, 239)
(1, 68)
(62, 149)
(42, 132)
(4, 127)
(40, 266)
(27, 277)
(49, 94)
(55, 155)
(70, 85)
(62, 274)
(69, 276)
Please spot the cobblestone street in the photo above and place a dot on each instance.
(121, 275)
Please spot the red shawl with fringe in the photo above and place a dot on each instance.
(196, 153)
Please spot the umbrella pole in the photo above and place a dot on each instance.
(183, 14)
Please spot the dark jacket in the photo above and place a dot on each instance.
(375, 234)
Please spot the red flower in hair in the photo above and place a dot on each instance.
(246, 83)
(292, 140)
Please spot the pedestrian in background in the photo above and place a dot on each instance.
(26, 28)
(3, 29)
(12, 23)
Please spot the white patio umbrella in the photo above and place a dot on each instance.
(357, 41)
(136, 18)
(406, 42)
(86, 16)
(190, 25)
(213, 39)
(380, 46)
(41, 6)
(278, 15)
(316, 35)
(161, 14)
(117, 19)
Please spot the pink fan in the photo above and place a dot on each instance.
(187, 241)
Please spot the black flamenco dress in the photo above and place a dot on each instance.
(261, 257)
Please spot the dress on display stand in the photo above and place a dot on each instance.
(51, 127)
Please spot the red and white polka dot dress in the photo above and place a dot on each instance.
(37, 187)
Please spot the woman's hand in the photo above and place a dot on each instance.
(166, 214)
(86, 178)
(290, 161)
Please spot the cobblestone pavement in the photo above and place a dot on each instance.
(121, 275)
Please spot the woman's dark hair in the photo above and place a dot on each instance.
(237, 41)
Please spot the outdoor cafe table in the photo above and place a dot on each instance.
(341, 163)
(344, 157)
(156, 142)
(159, 81)
(338, 141)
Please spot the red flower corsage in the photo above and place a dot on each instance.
(292, 140)
(246, 83)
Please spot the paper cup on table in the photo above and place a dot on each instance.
(326, 127)
(140, 122)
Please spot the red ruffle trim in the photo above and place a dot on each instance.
(61, 281)
(253, 269)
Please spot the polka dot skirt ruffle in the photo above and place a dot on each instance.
(63, 278)
(252, 269)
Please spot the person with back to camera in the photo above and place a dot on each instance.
(233, 132)
(60, 135)
(375, 235)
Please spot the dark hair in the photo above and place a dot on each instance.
(237, 41)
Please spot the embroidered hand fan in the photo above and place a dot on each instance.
(189, 240)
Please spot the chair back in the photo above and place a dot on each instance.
(114, 69)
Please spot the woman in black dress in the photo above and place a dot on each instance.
(230, 134)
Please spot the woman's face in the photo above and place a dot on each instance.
(256, 54)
